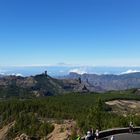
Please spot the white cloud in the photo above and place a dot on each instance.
(13, 74)
(19, 74)
(78, 71)
(16, 74)
(2, 73)
(130, 71)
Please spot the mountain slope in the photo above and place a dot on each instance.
(44, 85)
(39, 85)
(108, 82)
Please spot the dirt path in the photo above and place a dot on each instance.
(4, 130)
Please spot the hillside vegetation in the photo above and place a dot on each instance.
(37, 86)
(43, 85)
(32, 116)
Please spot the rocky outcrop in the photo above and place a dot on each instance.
(22, 137)
(107, 82)
(44, 85)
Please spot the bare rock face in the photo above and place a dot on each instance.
(104, 83)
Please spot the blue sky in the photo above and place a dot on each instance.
(77, 32)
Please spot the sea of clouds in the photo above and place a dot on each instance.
(65, 70)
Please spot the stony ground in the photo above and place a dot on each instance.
(125, 106)
(4, 131)
(62, 131)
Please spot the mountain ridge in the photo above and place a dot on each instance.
(109, 82)
(44, 85)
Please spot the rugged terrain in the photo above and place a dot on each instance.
(4, 131)
(37, 86)
(61, 131)
(125, 107)
(44, 85)
(102, 83)
(34, 118)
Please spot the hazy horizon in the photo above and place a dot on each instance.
(65, 70)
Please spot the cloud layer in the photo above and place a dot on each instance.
(78, 71)
(130, 71)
